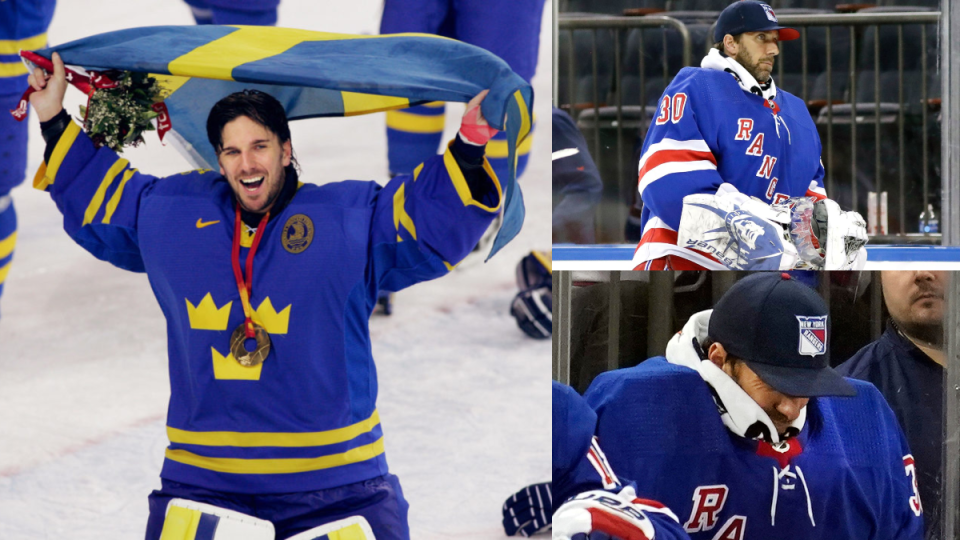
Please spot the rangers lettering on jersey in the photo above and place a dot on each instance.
(733, 529)
(708, 501)
(756, 147)
(744, 127)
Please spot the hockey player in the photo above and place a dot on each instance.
(736, 431)
(906, 364)
(23, 25)
(267, 284)
(727, 158)
(593, 501)
(507, 28)
(577, 187)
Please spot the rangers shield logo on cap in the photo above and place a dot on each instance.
(770, 14)
(813, 335)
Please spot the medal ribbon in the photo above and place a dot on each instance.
(246, 287)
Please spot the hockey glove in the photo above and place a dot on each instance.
(474, 128)
(534, 270)
(601, 514)
(533, 310)
(841, 235)
(741, 232)
(528, 511)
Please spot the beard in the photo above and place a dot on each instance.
(760, 73)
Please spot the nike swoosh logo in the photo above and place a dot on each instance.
(201, 224)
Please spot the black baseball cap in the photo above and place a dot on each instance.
(750, 16)
(779, 327)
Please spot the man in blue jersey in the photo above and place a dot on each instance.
(267, 284)
(592, 502)
(730, 172)
(23, 25)
(577, 186)
(746, 433)
(907, 365)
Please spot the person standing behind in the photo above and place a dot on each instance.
(23, 25)
(577, 186)
(907, 365)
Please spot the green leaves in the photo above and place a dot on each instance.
(117, 117)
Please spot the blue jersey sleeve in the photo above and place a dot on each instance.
(424, 224)
(98, 194)
(678, 157)
(578, 462)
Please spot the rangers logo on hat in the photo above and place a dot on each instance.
(770, 14)
(813, 335)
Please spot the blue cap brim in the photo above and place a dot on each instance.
(803, 382)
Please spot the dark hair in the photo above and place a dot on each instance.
(258, 106)
(719, 45)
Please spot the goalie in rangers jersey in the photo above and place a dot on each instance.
(730, 172)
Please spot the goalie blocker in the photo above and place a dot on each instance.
(744, 233)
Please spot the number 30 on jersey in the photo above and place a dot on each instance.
(671, 108)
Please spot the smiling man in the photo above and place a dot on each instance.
(726, 141)
(267, 284)
(746, 433)
(907, 365)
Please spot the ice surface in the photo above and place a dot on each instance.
(464, 395)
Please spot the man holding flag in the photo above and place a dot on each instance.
(267, 284)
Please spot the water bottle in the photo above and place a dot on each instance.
(929, 224)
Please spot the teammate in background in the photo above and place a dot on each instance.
(23, 25)
(273, 426)
(736, 432)
(725, 133)
(509, 29)
(247, 12)
(577, 186)
(532, 307)
(593, 501)
(906, 364)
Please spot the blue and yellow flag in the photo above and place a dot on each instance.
(313, 74)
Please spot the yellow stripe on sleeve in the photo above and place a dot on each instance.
(180, 524)
(233, 438)
(56, 158)
(277, 466)
(97, 201)
(115, 198)
(7, 244)
(400, 215)
(460, 183)
(14, 46)
(355, 103)
(12, 69)
(415, 123)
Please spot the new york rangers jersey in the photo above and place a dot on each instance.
(579, 464)
(848, 474)
(305, 419)
(708, 131)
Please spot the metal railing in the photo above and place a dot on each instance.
(842, 113)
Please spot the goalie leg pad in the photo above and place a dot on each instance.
(351, 528)
(189, 520)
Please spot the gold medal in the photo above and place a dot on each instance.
(239, 350)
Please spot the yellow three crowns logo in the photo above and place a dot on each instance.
(207, 316)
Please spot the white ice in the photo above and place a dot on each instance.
(464, 395)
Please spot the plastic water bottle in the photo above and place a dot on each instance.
(929, 224)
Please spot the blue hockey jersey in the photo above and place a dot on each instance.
(579, 464)
(23, 25)
(848, 474)
(708, 131)
(305, 419)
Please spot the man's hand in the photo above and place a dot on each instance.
(528, 511)
(474, 128)
(47, 100)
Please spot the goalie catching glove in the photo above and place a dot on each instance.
(594, 515)
(744, 233)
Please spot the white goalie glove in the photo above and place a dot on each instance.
(741, 232)
(615, 515)
(745, 233)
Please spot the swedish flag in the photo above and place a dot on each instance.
(313, 74)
